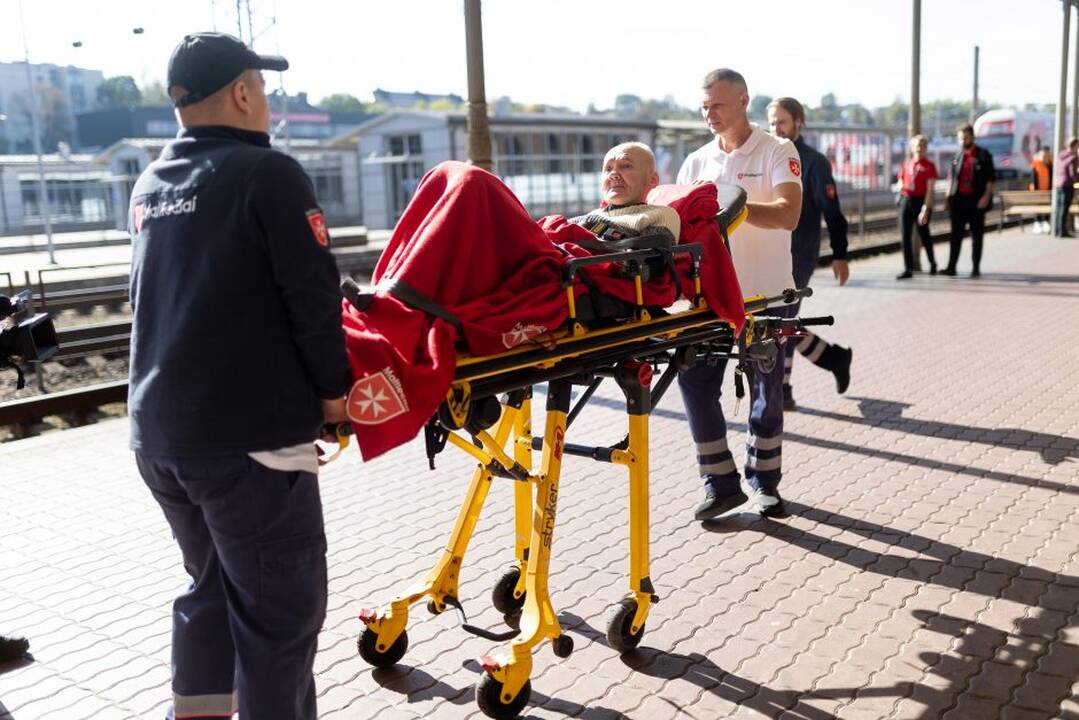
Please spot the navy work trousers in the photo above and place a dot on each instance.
(244, 633)
(701, 388)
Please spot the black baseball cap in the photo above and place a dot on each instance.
(205, 62)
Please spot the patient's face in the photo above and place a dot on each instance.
(628, 175)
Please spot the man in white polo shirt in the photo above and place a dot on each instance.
(769, 170)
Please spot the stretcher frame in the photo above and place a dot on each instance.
(629, 353)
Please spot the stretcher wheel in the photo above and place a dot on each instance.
(619, 622)
(502, 595)
(562, 646)
(368, 647)
(432, 607)
(489, 698)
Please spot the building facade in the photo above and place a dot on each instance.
(62, 92)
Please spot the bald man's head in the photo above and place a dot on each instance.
(629, 172)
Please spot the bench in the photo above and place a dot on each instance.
(1024, 203)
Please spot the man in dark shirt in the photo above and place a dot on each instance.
(969, 197)
(786, 117)
(1064, 181)
(237, 359)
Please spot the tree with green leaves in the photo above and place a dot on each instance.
(341, 102)
(155, 94)
(118, 92)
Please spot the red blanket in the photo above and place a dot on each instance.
(466, 242)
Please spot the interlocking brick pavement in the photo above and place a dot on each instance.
(929, 568)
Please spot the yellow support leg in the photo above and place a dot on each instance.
(538, 621)
(386, 625)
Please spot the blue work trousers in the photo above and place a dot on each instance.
(244, 634)
(701, 388)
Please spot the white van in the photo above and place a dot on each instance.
(1013, 136)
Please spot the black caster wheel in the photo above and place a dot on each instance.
(432, 607)
(619, 622)
(489, 698)
(562, 646)
(369, 651)
(502, 595)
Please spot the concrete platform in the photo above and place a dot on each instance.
(930, 568)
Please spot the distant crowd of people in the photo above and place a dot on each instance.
(970, 196)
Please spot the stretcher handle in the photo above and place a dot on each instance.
(571, 266)
(822, 320)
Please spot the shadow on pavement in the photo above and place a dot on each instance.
(883, 454)
(972, 643)
(1054, 449)
(698, 670)
(419, 686)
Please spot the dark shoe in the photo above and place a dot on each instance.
(932, 268)
(975, 273)
(788, 398)
(905, 275)
(769, 504)
(13, 648)
(719, 502)
(949, 271)
(842, 369)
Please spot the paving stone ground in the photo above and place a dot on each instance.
(929, 569)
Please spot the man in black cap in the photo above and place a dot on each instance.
(237, 360)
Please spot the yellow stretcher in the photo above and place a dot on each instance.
(502, 442)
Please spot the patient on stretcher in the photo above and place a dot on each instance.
(467, 269)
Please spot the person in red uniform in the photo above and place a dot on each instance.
(916, 178)
(970, 196)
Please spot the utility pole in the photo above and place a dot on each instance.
(1075, 87)
(974, 104)
(479, 131)
(1062, 98)
(915, 126)
(35, 125)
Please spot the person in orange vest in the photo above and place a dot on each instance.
(1041, 178)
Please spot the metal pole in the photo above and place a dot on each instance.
(1075, 88)
(974, 104)
(916, 72)
(1062, 98)
(479, 132)
(35, 128)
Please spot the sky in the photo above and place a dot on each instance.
(573, 52)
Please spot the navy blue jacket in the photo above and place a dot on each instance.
(237, 329)
(819, 196)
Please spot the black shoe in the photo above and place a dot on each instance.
(788, 398)
(949, 271)
(13, 648)
(975, 273)
(932, 268)
(842, 369)
(769, 504)
(717, 503)
(905, 275)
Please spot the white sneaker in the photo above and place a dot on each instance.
(769, 504)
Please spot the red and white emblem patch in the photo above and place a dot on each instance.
(318, 227)
(376, 398)
(521, 334)
(829, 190)
(796, 167)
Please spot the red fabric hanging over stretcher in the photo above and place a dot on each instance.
(467, 243)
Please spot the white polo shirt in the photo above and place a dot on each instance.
(762, 258)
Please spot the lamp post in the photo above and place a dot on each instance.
(43, 193)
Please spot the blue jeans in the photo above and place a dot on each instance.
(244, 634)
(701, 388)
